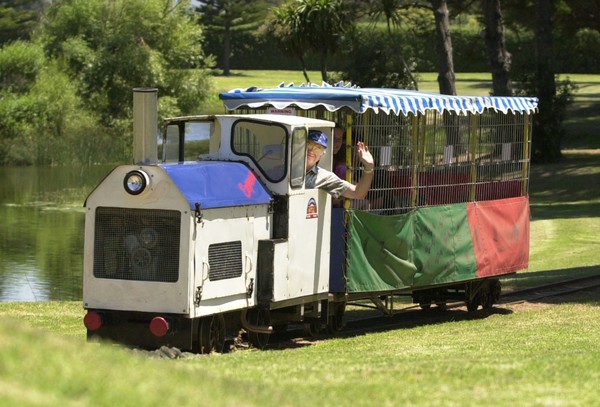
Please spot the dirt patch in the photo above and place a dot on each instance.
(527, 306)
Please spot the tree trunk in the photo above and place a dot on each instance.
(398, 51)
(446, 77)
(304, 70)
(547, 126)
(226, 50)
(500, 63)
(323, 63)
(499, 57)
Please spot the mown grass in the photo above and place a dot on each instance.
(565, 220)
(533, 354)
(540, 355)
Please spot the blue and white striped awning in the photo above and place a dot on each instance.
(394, 101)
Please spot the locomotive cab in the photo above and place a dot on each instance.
(274, 148)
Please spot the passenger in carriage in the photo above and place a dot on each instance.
(339, 160)
(317, 177)
(339, 152)
(340, 169)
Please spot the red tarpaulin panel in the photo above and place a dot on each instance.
(500, 235)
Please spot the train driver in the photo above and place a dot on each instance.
(317, 177)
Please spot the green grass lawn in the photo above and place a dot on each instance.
(565, 220)
(535, 354)
(541, 354)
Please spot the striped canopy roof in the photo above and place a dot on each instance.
(396, 101)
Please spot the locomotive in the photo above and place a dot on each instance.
(222, 234)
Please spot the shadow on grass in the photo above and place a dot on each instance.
(564, 211)
(532, 279)
(233, 74)
(585, 297)
(476, 84)
(403, 320)
(522, 281)
(359, 325)
(586, 110)
(569, 188)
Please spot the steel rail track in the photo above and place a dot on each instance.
(410, 316)
(550, 290)
(414, 315)
(530, 293)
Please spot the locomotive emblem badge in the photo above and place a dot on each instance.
(311, 209)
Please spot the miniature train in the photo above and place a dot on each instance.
(222, 234)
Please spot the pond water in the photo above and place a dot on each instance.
(42, 230)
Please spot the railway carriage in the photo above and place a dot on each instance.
(221, 234)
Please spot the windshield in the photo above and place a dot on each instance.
(186, 140)
(264, 143)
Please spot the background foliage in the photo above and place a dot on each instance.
(66, 93)
(67, 67)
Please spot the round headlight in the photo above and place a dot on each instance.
(135, 182)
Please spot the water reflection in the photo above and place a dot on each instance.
(41, 231)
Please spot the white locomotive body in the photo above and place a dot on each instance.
(178, 247)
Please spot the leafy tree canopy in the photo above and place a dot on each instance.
(310, 25)
(66, 95)
(18, 18)
(114, 46)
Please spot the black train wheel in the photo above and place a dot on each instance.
(311, 328)
(473, 304)
(337, 321)
(473, 296)
(492, 293)
(211, 335)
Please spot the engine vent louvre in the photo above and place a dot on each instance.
(225, 260)
(137, 244)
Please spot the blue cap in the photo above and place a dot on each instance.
(318, 137)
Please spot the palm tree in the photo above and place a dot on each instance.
(324, 22)
(390, 10)
(310, 25)
(228, 18)
(285, 28)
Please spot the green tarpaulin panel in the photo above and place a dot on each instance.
(424, 247)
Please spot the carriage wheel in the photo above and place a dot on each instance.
(473, 304)
(492, 294)
(441, 305)
(472, 297)
(259, 317)
(311, 328)
(280, 329)
(211, 337)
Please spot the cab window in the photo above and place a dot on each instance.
(298, 159)
(264, 143)
(185, 141)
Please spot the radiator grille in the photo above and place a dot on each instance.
(225, 260)
(137, 244)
